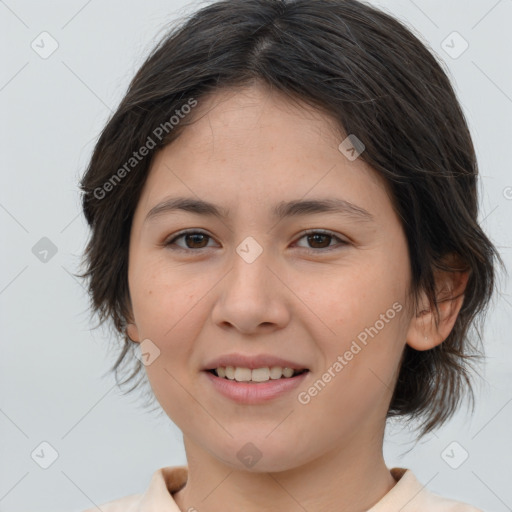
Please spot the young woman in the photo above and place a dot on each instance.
(284, 222)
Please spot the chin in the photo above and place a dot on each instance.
(262, 457)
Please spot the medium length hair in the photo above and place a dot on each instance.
(367, 71)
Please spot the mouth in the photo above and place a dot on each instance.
(255, 386)
(256, 375)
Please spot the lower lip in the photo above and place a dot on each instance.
(254, 393)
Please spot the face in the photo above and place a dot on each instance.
(325, 290)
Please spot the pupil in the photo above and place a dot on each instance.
(318, 236)
(195, 236)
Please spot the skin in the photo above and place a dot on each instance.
(248, 150)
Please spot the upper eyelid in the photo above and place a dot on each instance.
(307, 232)
(341, 240)
(180, 234)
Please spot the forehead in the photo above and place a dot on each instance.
(253, 146)
(252, 116)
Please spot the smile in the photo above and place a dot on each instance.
(255, 375)
(251, 392)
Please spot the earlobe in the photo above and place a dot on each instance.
(423, 333)
(132, 332)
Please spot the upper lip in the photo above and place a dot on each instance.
(252, 362)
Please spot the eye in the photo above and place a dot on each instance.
(193, 239)
(321, 240)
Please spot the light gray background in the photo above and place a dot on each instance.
(54, 379)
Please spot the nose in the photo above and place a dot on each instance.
(252, 297)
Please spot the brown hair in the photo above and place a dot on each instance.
(365, 69)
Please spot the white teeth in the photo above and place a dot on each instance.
(287, 372)
(230, 372)
(260, 374)
(242, 374)
(276, 372)
(257, 375)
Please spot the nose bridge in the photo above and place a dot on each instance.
(250, 295)
(250, 272)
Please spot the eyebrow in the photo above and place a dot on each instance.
(282, 210)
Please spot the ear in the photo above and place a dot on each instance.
(423, 333)
(132, 332)
(131, 329)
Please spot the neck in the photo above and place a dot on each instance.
(352, 478)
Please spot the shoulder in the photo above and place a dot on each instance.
(432, 501)
(126, 504)
(409, 495)
(441, 504)
(158, 494)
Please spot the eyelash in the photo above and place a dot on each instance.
(309, 232)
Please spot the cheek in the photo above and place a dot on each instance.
(363, 306)
(169, 311)
(161, 296)
(356, 297)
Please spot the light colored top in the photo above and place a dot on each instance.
(408, 495)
